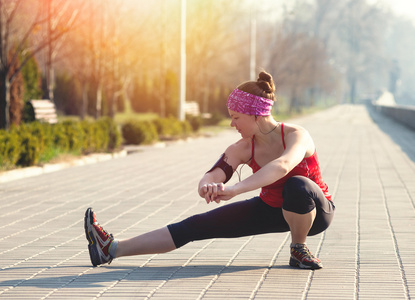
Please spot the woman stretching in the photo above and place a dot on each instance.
(284, 161)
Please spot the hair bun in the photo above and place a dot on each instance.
(266, 82)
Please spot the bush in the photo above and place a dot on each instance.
(29, 147)
(89, 141)
(60, 140)
(42, 132)
(101, 138)
(33, 142)
(162, 127)
(187, 128)
(95, 137)
(74, 135)
(114, 134)
(176, 128)
(168, 128)
(44, 135)
(215, 119)
(195, 122)
(139, 132)
(9, 148)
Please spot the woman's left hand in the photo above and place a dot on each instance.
(211, 191)
(228, 192)
(216, 192)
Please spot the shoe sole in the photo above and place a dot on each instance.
(297, 264)
(91, 240)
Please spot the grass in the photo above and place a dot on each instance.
(55, 155)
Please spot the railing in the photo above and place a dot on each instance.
(400, 113)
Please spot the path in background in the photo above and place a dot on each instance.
(367, 252)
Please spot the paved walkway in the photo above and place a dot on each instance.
(368, 252)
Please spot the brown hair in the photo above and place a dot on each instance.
(263, 87)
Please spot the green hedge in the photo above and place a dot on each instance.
(31, 143)
(139, 132)
(9, 148)
(146, 132)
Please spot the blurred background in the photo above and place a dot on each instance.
(107, 57)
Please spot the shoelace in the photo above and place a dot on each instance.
(102, 230)
(106, 234)
(304, 251)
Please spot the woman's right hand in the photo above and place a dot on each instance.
(210, 191)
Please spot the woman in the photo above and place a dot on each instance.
(283, 158)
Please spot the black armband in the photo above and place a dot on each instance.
(222, 164)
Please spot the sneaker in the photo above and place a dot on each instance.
(99, 240)
(301, 257)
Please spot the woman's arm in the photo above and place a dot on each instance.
(213, 181)
(298, 143)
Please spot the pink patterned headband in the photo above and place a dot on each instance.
(249, 104)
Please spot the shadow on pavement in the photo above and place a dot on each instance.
(111, 274)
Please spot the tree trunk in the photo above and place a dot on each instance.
(99, 101)
(4, 102)
(51, 79)
(84, 101)
(113, 105)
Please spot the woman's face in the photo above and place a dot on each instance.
(244, 124)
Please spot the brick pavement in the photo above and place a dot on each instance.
(367, 253)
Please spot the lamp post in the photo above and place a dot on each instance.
(182, 100)
(252, 65)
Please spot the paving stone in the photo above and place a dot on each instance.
(367, 161)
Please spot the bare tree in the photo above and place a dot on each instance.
(299, 63)
(18, 24)
(55, 13)
(211, 45)
(352, 31)
(106, 53)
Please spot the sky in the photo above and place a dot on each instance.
(403, 7)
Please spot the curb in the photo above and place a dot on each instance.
(11, 175)
(48, 168)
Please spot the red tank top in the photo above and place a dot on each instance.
(308, 167)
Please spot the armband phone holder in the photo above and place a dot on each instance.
(222, 164)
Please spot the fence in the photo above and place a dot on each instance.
(400, 113)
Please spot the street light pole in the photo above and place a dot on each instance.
(252, 65)
(182, 100)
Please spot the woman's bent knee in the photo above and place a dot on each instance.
(297, 195)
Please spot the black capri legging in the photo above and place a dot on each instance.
(251, 217)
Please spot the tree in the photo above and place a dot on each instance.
(300, 65)
(68, 94)
(353, 32)
(54, 11)
(20, 33)
(32, 79)
(17, 90)
(402, 65)
(211, 46)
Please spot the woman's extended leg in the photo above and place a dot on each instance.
(157, 241)
(237, 219)
(103, 248)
